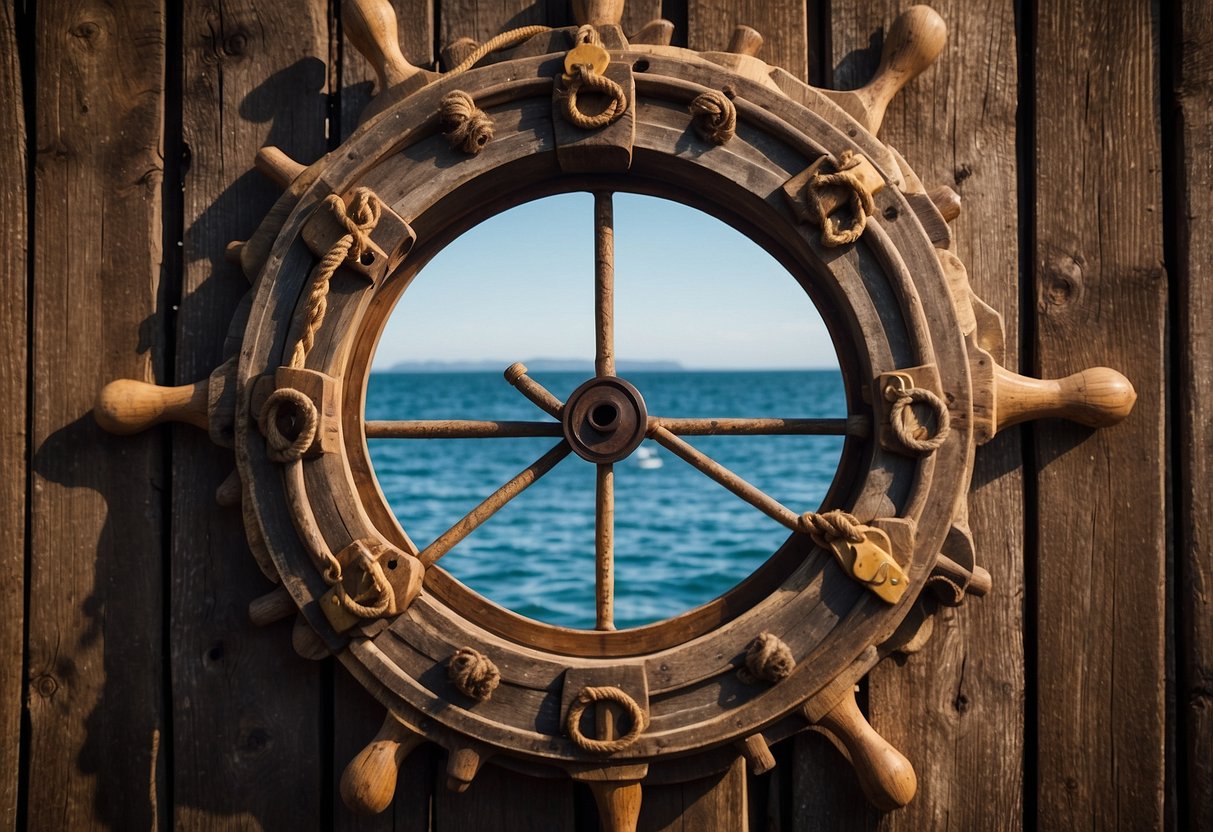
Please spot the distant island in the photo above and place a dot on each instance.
(535, 365)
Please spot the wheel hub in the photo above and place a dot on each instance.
(605, 419)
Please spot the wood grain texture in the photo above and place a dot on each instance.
(956, 708)
(1193, 129)
(13, 472)
(416, 24)
(1100, 299)
(783, 27)
(713, 804)
(501, 799)
(95, 651)
(253, 75)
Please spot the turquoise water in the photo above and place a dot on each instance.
(680, 539)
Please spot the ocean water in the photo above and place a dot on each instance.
(680, 539)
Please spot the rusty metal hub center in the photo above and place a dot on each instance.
(605, 419)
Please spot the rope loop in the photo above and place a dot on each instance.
(473, 674)
(358, 221)
(860, 200)
(608, 693)
(715, 116)
(831, 525)
(374, 601)
(767, 659)
(283, 403)
(465, 126)
(586, 79)
(906, 427)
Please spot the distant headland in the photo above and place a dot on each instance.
(534, 365)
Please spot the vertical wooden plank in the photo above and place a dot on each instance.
(712, 804)
(247, 712)
(96, 680)
(481, 19)
(13, 325)
(415, 19)
(502, 799)
(1193, 154)
(956, 708)
(1100, 299)
(783, 25)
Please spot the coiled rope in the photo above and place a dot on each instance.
(906, 427)
(473, 674)
(715, 116)
(586, 79)
(767, 659)
(304, 421)
(465, 126)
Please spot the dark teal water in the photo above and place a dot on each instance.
(680, 538)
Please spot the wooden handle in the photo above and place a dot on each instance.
(1097, 397)
(598, 12)
(127, 406)
(618, 804)
(371, 27)
(657, 32)
(276, 166)
(745, 41)
(369, 781)
(912, 44)
(885, 775)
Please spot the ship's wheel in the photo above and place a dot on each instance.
(802, 173)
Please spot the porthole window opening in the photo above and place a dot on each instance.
(707, 326)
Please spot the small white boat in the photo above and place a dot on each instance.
(647, 457)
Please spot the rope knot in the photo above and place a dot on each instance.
(831, 525)
(767, 659)
(376, 599)
(465, 126)
(715, 116)
(473, 674)
(860, 200)
(587, 34)
(358, 220)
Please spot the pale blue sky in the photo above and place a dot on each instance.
(688, 288)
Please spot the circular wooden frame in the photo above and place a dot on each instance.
(885, 300)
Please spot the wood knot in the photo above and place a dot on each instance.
(464, 125)
(767, 659)
(473, 674)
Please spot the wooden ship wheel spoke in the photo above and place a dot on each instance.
(800, 170)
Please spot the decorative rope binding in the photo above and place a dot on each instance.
(905, 425)
(465, 126)
(862, 204)
(715, 116)
(584, 78)
(282, 405)
(608, 693)
(359, 220)
(473, 674)
(767, 659)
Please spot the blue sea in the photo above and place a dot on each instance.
(680, 539)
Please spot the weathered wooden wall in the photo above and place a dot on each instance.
(133, 692)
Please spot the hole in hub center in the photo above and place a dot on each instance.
(604, 417)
